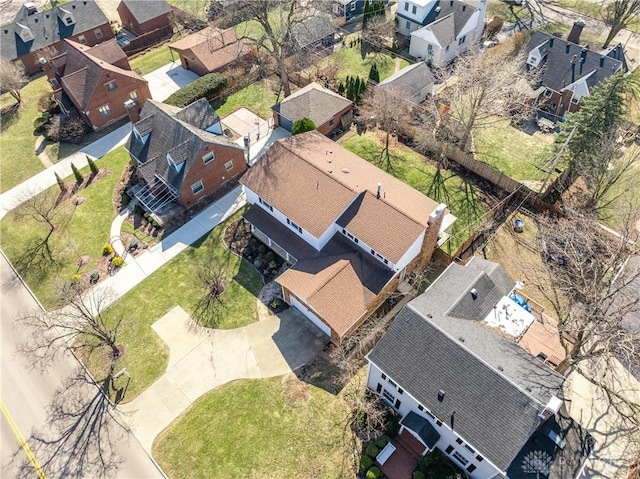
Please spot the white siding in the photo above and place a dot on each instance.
(411, 253)
(310, 315)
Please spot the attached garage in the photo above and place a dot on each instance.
(309, 314)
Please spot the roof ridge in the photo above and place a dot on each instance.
(321, 286)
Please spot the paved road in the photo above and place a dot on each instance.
(63, 417)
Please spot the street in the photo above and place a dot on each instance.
(70, 428)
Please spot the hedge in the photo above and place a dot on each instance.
(205, 87)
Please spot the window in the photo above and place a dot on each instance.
(575, 100)
(461, 41)
(133, 95)
(400, 390)
(105, 110)
(460, 458)
(98, 33)
(379, 388)
(458, 440)
(548, 93)
(430, 49)
(392, 382)
(82, 39)
(406, 6)
(197, 187)
(449, 449)
(384, 376)
(331, 122)
(208, 157)
(397, 404)
(265, 204)
(353, 6)
(112, 85)
(469, 448)
(229, 166)
(68, 20)
(408, 25)
(438, 422)
(294, 226)
(479, 458)
(420, 407)
(414, 9)
(388, 396)
(471, 468)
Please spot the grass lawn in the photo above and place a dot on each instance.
(152, 59)
(278, 427)
(593, 10)
(85, 233)
(352, 62)
(175, 284)
(18, 161)
(501, 9)
(460, 196)
(516, 154)
(258, 97)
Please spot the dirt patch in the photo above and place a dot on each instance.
(83, 260)
(78, 200)
(295, 391)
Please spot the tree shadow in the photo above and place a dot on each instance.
(37, 260)
(9, 117)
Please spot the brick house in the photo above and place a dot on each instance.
(328, 110)
(211, 50)
(34, 34)
(351, 231)
(181, 155)
(95, 82)
(144, 17)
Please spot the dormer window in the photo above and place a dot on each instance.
(98, 33)
(66, 17)
(25, 33)
(175, 165)
(112, 85)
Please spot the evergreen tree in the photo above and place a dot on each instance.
(302, 125)
(374, 75)
(60, 182)
(77, 174)
(92, 166)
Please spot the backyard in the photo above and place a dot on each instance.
(152, 59)
(258, 97)
(357, 60)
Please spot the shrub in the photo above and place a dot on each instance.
(94, 277)
(77, 174)
(374, 75)
(302, 125)
(133, 244)
(205, 87)
(92, 166)
(381, 442)
(392, 424)
(117, 261)
(417, 475)
(66, 131)
(75, 278)
(435, 466)
(372, 451)
(107, 249)
(373, 473)
(365, 463)
(60, 182)
(125, 199)
(40, 122)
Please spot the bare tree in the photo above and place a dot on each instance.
(617, 14)
(209, 306)
(12, 79)
(482, 90)
(379, 31)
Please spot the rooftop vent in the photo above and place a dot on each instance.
(346, 170)
(441, 395)
(438, 9)
(379, 185)
(474, 293)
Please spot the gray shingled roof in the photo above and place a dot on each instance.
(461, 13)
(48, 28)
(495, 388)
(312, 30)
(411, 79)
(314, 102)
(145, 10)
(422, 427)
(558, 70)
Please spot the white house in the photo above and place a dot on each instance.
(441, 30)
(350, 230)
(468, 391)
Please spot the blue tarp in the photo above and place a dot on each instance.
(521, 301)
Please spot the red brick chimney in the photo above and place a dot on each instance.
(576, 30)
(133, 110)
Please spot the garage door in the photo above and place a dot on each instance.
(312, 317)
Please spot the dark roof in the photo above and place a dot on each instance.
(179, 132)
(48, 28)
(145, 10)
(422, 428)
(312, 30)
(411, 79)
(558, 71)
(495, 388)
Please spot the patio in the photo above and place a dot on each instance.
(404, 459)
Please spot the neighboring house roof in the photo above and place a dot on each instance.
(146, 10)
(214, 48)
(564, 64)
(495, 388)
(411, 79)
(313, 101)
(47, 26)
(446, 19)
(312, 30)
(81, 68)
(174, 131)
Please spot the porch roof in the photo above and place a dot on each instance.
(423, 428)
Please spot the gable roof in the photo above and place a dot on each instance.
(564, 63)
(213, 47)
(174, 131)
(48, 28)
(410, 79)
(313, 101)
(146, 10)
(422, 427)
(446, 19)
(495, 388)
(312, 30)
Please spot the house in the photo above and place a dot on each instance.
(180, 155)
(144, 17)
(568, 70)
(314, 33)
(440, 30)
(211, 50)
(348, 9)
(326, 109)
(351, 231)
(469, 391)
(96, 83)
(35, 34)
(414, 82)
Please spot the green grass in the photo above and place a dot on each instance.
(175, 284)
(593, 10)
(128, 228)
(460, 196)
(501, 9)
(152, 59)
(18, 161)
(352, 62)
(563, 29)
(512, 152)
(197, 8)
(85, 233)
(258, 97)
(278, 427)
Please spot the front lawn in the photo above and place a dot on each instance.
(509, 13)
(175, 284)
(414, 169)
(83, 230)
(357, 60)
(257, 97)
(279, 427)
(152, 59)
(18, 161)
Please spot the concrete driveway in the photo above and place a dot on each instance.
(168, 79)
(202, 359)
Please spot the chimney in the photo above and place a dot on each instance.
(132, 110)
(576, 30)
(379, 185)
